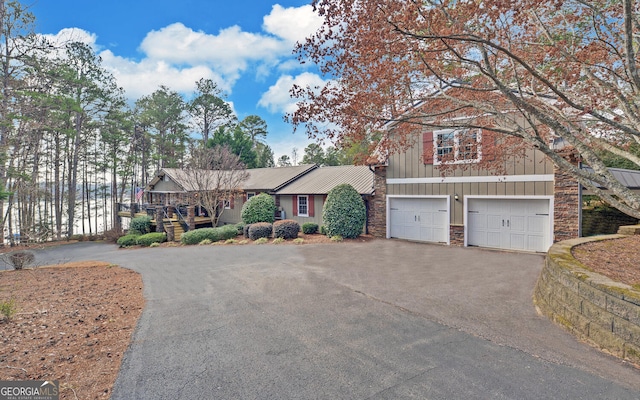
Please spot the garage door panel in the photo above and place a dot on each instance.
(423, 219)
(517, 224)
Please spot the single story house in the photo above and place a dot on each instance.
(303, 199)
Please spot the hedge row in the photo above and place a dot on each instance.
(148, 239)
(214, 234)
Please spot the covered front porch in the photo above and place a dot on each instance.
(172, 219)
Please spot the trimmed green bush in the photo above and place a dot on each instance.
(260, 208)
(214, 234)
(128, 240)
(323, 230)
(240, 227)
(260, 230)
(153, 237)
(309, 228)
(286, 229)
(344, 213)
(245, 231)
(140, 225)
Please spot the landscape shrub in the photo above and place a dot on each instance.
(140, 225)
(8, 308)
(205, 242)
(344, 213)
(214, 234)
(298, 241)
(260, 208)
(240, 227)
(245, 231)
(262, 240)
(153, 237)
(128, 240)
(323, 230)
(309, 228)
(21, 259)
(260, 230)
(286, 229)
(278, 240)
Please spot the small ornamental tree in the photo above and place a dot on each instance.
(344, 213)
(260, 208)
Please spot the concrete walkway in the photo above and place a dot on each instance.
(380, 320)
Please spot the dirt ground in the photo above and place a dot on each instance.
(618, 259)
(73, 324)
(75, 321)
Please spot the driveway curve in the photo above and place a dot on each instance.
(385, 319)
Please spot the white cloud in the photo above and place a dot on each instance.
(227, 52)
(68, 35)
(293, 24)
(177, 56)
(278, 99)
(144, 77)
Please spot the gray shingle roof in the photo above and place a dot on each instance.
(322, 180)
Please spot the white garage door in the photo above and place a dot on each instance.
(423, 219)
(514, 224)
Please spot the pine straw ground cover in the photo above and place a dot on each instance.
(73, 324)
(618, 259)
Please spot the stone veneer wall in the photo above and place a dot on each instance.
(591, 306)
(456, 235)
(378, 204)
(566, 217)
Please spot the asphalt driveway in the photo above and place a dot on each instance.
(381, 320)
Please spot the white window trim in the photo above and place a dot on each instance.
(227, 204)
(456, 146)
(298, 204)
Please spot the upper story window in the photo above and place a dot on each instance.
(457, 146)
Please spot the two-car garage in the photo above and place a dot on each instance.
(510, 223)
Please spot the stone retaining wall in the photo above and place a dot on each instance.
(591, 306)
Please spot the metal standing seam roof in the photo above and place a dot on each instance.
(628, 177)
(265, 179)
(270, 179)
(322, 180)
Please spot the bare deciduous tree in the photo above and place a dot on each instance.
(541, 73)
(214, 176)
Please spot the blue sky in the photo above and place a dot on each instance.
(245, 46)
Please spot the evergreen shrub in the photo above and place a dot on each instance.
(286, 229)
(260, 208)
(344, 213)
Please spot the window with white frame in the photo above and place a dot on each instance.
(303, 206)
(457, 146)
(227, 204)
(250, 195)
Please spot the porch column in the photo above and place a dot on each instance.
(191, 217)
(170, 211)
(159, 218)
(378, 204)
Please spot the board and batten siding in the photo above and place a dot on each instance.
(233, 215)
(407, 175)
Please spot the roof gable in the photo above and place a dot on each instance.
(322, 180)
